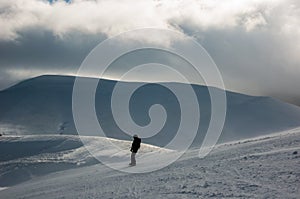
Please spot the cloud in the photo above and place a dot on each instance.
(111, 17)
(90, 17)
(255, 43)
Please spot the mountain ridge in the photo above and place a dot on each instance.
(43, 105)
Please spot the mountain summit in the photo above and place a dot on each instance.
(43, 105)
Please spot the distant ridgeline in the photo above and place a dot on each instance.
(43, 105)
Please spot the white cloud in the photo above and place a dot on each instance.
(113, 16)
(254, 42)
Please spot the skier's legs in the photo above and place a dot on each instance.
(133, 161)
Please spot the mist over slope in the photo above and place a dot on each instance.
(43, 105)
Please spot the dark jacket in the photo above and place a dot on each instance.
(135, 144)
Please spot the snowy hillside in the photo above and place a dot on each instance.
(42, 105)
(265, 167)
(35, 155)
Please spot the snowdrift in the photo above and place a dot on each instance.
(29, 156)
(256, 168)
(24, 157)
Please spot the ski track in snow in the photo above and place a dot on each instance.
(259, 168)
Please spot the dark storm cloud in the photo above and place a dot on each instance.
(37, 52)
(41, 49)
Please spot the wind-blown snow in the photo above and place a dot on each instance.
(265, 167)
(29, 156)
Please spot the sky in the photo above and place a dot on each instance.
(255, 43)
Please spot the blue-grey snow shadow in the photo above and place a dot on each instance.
(43, 105)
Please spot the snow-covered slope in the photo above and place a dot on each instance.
(42, 105)
(265, 167)
(23, 157)
(28, 156)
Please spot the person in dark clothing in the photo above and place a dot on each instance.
(134, 149)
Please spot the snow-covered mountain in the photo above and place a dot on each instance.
(43, 105)
(51, 165)
(55, 166)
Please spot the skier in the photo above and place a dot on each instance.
(134, 148)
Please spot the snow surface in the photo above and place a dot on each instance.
(53, 163)
(43, 105)
(34, 155)
(60, 167)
